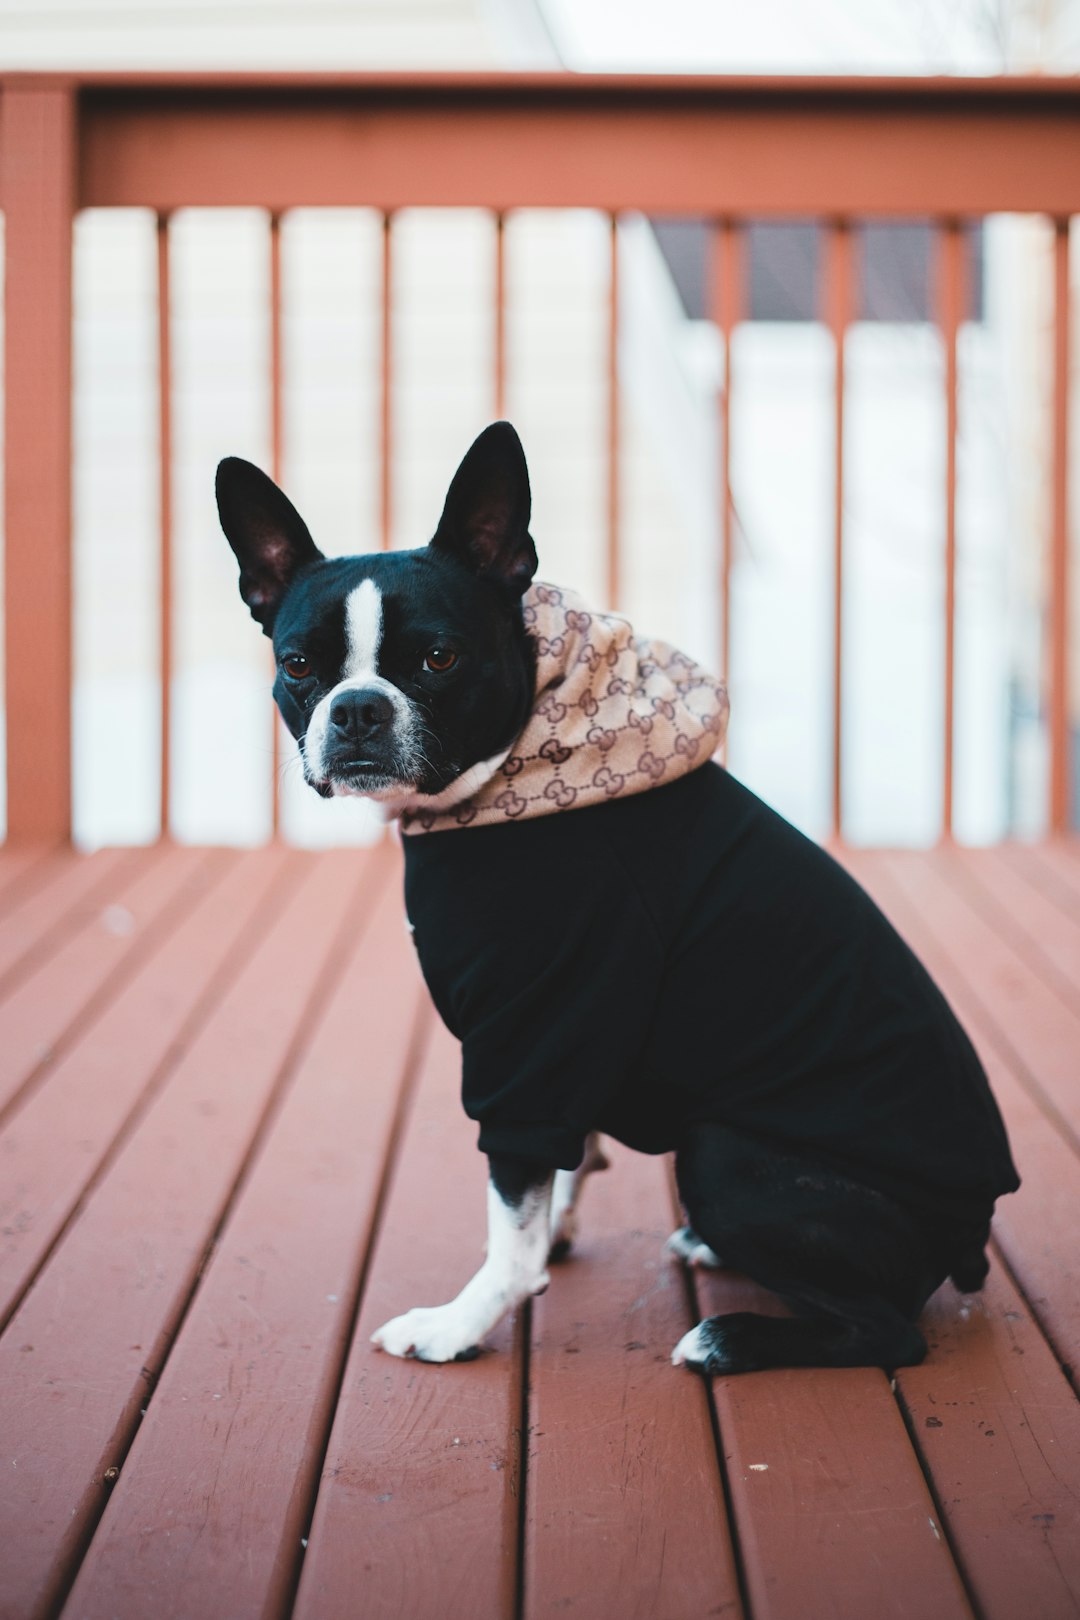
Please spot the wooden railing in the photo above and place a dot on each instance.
(722, 149)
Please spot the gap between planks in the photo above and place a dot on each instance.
(141, 1240)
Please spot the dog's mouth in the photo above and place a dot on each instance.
(366, 778)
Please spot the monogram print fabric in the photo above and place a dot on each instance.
(614, 714)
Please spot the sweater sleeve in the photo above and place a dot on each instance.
(549, 975)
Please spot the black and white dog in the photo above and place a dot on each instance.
(676, 967)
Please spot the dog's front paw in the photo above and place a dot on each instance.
(429, 1333)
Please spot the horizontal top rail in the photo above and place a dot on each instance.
(559, 85)
(663, 144)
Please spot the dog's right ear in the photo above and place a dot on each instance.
(267, 533)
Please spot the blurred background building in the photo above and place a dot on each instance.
(557, 268)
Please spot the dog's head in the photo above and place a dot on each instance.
(396, 672)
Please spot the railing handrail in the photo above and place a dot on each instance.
(942, 88)
(689, 144)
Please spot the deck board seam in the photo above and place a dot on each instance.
(196, 1016)
(1045, 879)
(153, 935)
(1070, 1373)
(712, 1410)
(967, 883)
(130, 865)
(314, 1005)
(16, 886)
(922, 1463)
(978, 1011)
(897, 903)
(523, 1335)
(423, 1019)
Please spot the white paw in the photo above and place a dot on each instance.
(691, 1348)
(687, 1246)
(429, 1333)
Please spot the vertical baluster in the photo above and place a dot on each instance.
(951, 304)
(38, 171)
(165, 518)
(276, 460)
(614, 580)
(500, 316)
(1060, 761)
(726, 307)
(839, 285)
(385, 397)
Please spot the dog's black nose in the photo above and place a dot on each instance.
(357, 715)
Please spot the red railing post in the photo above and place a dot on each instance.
(37, 150)
(839, 299)
(165, 438)
(614, 559)
(499, 315)
(951, 304)
(277, 470)
(726, 307)
(1060, 752)
(386, 385)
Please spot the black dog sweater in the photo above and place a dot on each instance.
(684, 954)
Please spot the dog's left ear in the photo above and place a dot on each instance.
(267, 533)
(485, 522)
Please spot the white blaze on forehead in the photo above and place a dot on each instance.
(363, 638)
(363, 630)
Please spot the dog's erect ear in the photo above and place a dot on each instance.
(267, 533)
(485, 522)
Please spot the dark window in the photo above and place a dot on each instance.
(895, 269)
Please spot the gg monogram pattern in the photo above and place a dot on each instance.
(614, 714)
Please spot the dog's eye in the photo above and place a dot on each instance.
(297, 667)
(439, 660)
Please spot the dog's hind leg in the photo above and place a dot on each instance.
(855, 1265)
(878, 1336)
(565, 1195)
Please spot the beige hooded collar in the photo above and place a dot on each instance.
(614, 714)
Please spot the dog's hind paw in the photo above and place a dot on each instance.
(716, 1345)
(688, 1247)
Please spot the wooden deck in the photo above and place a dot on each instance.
(231, 1145)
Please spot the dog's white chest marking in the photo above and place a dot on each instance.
(515, 1268)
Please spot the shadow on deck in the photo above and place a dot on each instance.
(231, 1145)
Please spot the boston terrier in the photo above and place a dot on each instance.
(625, 939)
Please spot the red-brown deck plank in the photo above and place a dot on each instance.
(88, 1341)
(1049, 869)
(418, 1505)
(830, 1505)
(26, 867)
(1032, 1022)
(1011, 903)
(230, 1449)
(1012, 1514)
(1035, 1226)
(113, 934)
(53, 1145)
(417, 1512)
(999, 1429)
(625, 1513)
(1060, 857)
(65, 893)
